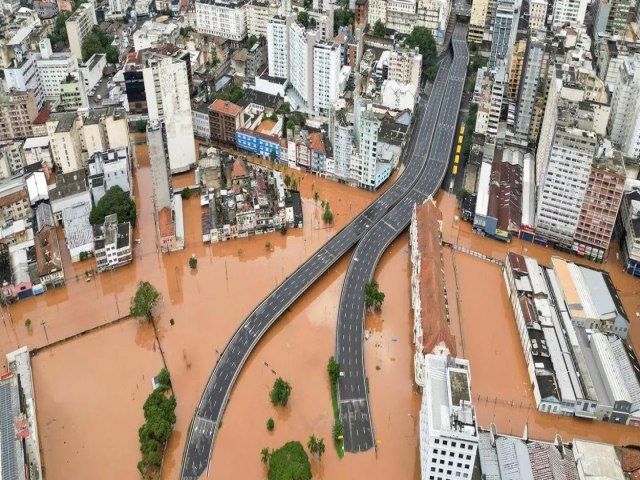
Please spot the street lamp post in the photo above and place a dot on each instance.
(44, 326)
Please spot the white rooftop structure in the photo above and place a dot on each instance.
(596, 461)
(482, 201)
(78, 231)
(36, 142)
(37, 187)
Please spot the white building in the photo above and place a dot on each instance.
(630, 221)
(155, 34)
(398, 96)
(79, 25)
(63, 130)
(37, 151)
(53, 68)
(301, 46)
(624, 120)
(278, 46)
(341, 134)
(377, 11)
(112, 243)
(259, 12)
(109, 169)
(326, 74)
(118, 8)
(167, 89)
(569, 11)
(91, 70)
(434, 15)
(448, 430)
(22, 75)
(401, 15)
(537, 14)
(222, 18)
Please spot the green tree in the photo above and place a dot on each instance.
(112, 54)
(312, 445)
(186, 31)
(265, 455)
(285, 107)
(460, 194)
(373, 297)
(193, 263)
(342, 17)
(333, 369)
(280, 392)
(164, 378)
(303, 18)
(320, 448)
(327, 215)
(59, 34)
(273, 155)
(290, 124)
(431, 73)
(422, 38)
(379, 30)
(283, 230)
(270, 424)
(251, 41)
(27, 323)
(141, 126)
(289, 462)
(338, 430)
(316, 196)
(186, 193)
(115, 201)
(144, 301)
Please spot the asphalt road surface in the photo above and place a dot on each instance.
(437, 135)
(211, 407)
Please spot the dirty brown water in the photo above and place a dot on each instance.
(208, 305)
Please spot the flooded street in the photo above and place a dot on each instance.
(491, 343)
(90, 390)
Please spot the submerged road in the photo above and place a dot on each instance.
(438, 141)
(211, 407)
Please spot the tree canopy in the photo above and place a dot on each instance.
(289, 462)
(59, 34)
(422, 38)
(373, 297)
(116, 201)
(303, 18)
(280, 392)
(333, 369)
(99, 42)
(233, 95)
(342, 17)
(144, 301)
(379, 30)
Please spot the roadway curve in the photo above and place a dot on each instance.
(211, 407)
(439, 137)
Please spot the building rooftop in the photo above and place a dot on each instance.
(47, 251)
(65, 121)
(68, 184)
(597, 461)
(259, 98)
(226, 108)
(77, 229)
(165, 223)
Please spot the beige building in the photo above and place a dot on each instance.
(63, 130)
(79, 25)
(537, 14)
(17, 111)
(515, 72)
(258, 14)
(377, 11)
(478, 19)
(104, 129)
(405, 66)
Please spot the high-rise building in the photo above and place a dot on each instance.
(405, 66)
(224, 119)
(53, 68)
(610, 16)
(401, 15)
(529, 82)
(341, 134)
(166, 84)
(479, 9)
(17, 111)
(515, 72)
(537, 14)
(624, 121)
(63, 130)
(569, 12)
(377, 11)
(630, 225)
(222, 18)
(301, 46)
(79, 24)
(504, 32)
(258, 14)
(326, 73)
(278, 46)
(434, 15)
(448, 429)
(564, 182)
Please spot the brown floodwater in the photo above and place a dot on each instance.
(490, 340)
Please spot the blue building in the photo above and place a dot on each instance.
(256, 143)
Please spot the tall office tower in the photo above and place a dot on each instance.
(222, 18)
(326, 73)
(341, 134)
(79, 25)
(529, 85)
(624, 120)
(564, 178)
(610, 16)
(448, 428)
(515, 72)
(363, 165)
(278, 46)
(167, 91)
(504, 32)
(569, 12)
(301, 44)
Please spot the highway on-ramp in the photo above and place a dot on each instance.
(211, 407)
(436, 146)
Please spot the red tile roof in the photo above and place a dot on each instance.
(432, 287)
(317, 142)
(165, 223)
(239, 170)
(42, 117)
(225, 107)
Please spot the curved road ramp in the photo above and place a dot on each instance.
(208, 415)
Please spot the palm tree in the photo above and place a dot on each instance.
(312, 445)
(265, 455)
(320, 448)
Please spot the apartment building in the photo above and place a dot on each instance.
(222, 18)
(504, 32)
(259, 12)
(17, 112)
(278, 46)
(224, 119)
(155, 35)
(537, 14)
(72, 94)
(79, 24)
(113, 243)
(14, 200)
(570, 12)
(341, 133)
(301, 72)
(401, 15)
(448, 428)
(515, 71)
(361, 13)
(109, 169)
(326, 74)
(377, 11)
(53, 68)
(629, 223)
(529, 83)
(405, 66)
(63, 130)
(434, 15)
(478, 20)
(624, 120)
(166, 84)
(610, 16)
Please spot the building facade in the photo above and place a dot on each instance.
(225, 118)
(222, 18)
(79, 24)
(326, 74)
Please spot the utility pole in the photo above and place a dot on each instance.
(44, 326)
